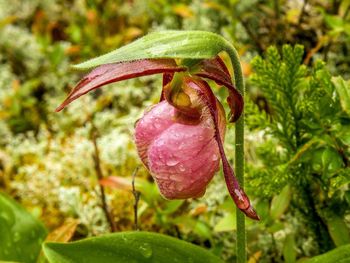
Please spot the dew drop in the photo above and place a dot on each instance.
(182, 168)
(171, 162)
(156, 125)
(178, 177)
(146, 250)
(160, 143)
(180, 187)
(185, 41)
(9, 217)
(182, 145)
(215, 157)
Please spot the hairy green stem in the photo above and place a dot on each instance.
(239, 154)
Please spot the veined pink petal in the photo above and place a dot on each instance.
(182, 162)
(155, 121)
(182, 156)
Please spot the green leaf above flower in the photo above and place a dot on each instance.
(164, 44)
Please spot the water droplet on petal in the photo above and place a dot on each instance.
(182, 145)
(156, 125)
(182, 168)
(177, 177)
(160, 142)
(192, 180)
(180, 187)
(171, 162)
(215, 157)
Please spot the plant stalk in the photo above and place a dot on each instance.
(136, 195)
(97, 161)
(241, 242)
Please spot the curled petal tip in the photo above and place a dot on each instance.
(59, 108)
(250, 212)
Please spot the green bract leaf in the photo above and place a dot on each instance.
(339, 255)
(280, 202)
(21, 234)
(164, 44)
(128, 247)
(289, 253)
(338, 230)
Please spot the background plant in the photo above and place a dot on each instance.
(305, 152)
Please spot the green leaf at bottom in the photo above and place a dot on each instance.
(131, 247)
(339, 255)
(21, 234)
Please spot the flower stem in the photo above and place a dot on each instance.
(137, 198)
(239, 154)
(97, 161)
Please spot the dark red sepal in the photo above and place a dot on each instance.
(238, 195)
(215, 69)
(167, 77)
(114, 72)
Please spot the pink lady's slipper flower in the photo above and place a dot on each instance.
(180, 139)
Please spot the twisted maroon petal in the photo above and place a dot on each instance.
(238, 195)
(215, 69)
(114, 72)
(167, 77)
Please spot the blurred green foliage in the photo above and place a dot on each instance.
(21, 233)
(297, 120)
(305, 148)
